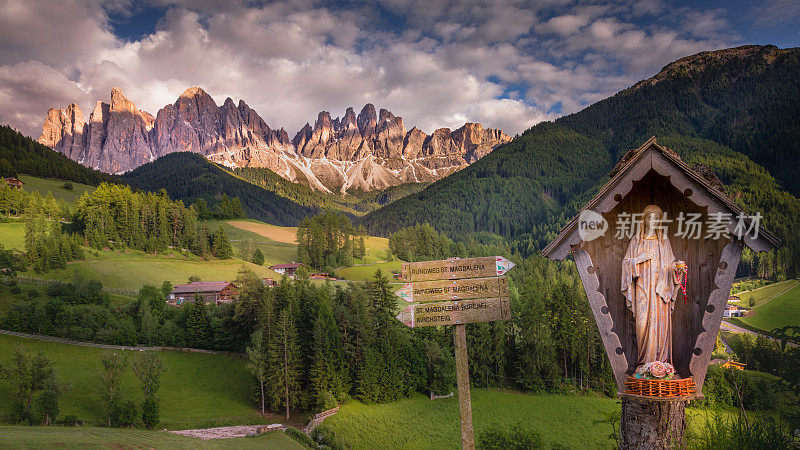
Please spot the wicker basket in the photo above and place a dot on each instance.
(660, 388)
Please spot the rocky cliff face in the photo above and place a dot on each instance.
(365, 152)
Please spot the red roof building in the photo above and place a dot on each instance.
(14, 183)
(286, 269)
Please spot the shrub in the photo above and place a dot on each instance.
(126, 414)
(47, 406)
(150, 412)
(328, 401)
(68, 186)
(513, 438)
(300, 437)
(71, 420)
(324, 437)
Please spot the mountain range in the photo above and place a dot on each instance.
(364, 152)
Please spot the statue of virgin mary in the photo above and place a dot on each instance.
(650, 283)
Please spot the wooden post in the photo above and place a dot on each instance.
(462, 378)
(658, 425)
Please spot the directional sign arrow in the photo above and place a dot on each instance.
(458, 312)
(433, 291)
(456, 268)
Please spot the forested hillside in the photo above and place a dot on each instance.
(21, 154)
(189, 177)
(734, 110)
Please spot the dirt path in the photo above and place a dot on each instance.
(223, 432)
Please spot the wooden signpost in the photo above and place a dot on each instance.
(456, 292)
(454, 313)
(441, 290)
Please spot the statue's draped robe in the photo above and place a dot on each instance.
(650, 287)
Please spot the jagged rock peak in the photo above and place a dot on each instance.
(364, 151)
(121, 103)
(194, 91)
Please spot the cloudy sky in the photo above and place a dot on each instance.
(508, 64)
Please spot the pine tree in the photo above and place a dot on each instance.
(284, 363)
(221, 248)
(258, 362)
(258, 257)
(328, 371)
(197, 324)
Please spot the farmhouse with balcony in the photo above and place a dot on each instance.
(210, 291)
(286, 269)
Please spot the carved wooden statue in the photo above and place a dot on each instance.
(650, 282)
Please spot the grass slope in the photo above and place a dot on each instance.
(275, 251)
(765, 293)
(419, 422)
(377, 247)
(132, 269)
(95, 437)
(367, 273)
(12, 235)
(779, 312)
(45, 185)
(195, 389)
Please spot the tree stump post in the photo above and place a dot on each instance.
(656, 425)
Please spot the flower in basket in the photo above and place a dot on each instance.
(655, 370)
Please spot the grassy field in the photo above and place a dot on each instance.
(131, 269)
(12, 235)
(419, 422)
(367, 273)
(95, 437)
(779, 312)
(377, 247)
(45, 185)
(763, 294)
(275, 252)
(196, 389)
(271, 232)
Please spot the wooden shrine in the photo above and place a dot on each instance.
(648, 176)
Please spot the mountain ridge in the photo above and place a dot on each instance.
(369, 151)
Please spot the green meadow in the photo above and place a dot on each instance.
(275, 252)
(12, 235)
(131, 269)
(779, 312)
(419, 422)
(765, 293)
(197, 389)
(96, 437)
(56, 187)
(367, 273)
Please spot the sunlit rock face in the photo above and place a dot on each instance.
(365, 152)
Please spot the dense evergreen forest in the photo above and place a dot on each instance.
(733, 110)
(329, 240)
(20, 154)
(188, 177)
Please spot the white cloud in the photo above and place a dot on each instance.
(450, 63)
